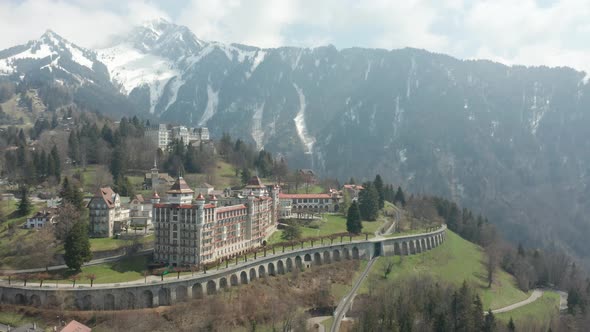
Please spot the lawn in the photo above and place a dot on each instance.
(127, 269)
(454, 261)
(14, 319)
(542, 311)
(104, 244)
(331, 224)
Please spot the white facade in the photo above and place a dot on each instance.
(107, 216)
(162, 136)
(40, 219)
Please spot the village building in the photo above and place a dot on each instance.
(155, 179)
(140, 211)
(41, 219)
(193, 231)
(205, 189)
(352, 190)
(107, 216)
(308, 176)
(306, 205)
(163, 135)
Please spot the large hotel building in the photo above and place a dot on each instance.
(195, 230)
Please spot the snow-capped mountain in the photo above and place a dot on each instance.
(502, 139)
(54, 56)
(158, 58)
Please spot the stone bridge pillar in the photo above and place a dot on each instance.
(155, 299)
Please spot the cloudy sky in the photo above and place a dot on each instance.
(532, 32)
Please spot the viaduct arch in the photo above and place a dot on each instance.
(168, 292)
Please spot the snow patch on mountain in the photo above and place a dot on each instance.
(257, 131)
(256, 60)
(212, 102)
(175, 84)
(131, 68)
(307, 140)
(368, 70)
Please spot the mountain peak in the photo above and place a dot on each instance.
(50, 34)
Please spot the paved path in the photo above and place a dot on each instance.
(537, 293)
(344, 305)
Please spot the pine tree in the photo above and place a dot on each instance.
(489, 324)
(353, 219)
(378, 183)
(71, 193)
(74, 147)
(24, 206)
(511, 326)
(369, 202)
(246, 175)
(77, 246)
(400, 197)
(118, 162)
(54, 157)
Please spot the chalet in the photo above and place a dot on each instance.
(107, 216)
(41, 219)
(140, 211)
(308, 176)
(352, 190)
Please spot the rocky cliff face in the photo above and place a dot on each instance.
(509, 141)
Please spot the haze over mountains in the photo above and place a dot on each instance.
(511, 142)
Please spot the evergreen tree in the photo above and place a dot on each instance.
(489, 324)
(54, 121)
(118, 162)
(246, 175)
(77, 246)
(477, 314)
(24, 206)
(378, 183)
(400, 197)
(369, 202)
(54, 157)
(353, 219)
(74, 147)
(511, 326)
(70, 193)
(291, 233)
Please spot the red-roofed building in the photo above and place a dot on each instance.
(300, 205)
(196, 231)
(75, 326)
(106, 214)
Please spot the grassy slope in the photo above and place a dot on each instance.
(454, 261)
(103, 244)
(541, 311)
(20, 236)
(332, 224)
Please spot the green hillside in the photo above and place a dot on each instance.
(454, 261)
(542, 311)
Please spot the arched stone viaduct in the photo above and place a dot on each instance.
(134, 296)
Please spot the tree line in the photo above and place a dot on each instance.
(423, 304)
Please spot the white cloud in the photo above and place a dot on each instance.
(85, 23)
(514, 32)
